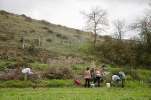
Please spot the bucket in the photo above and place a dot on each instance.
(108, 85)
(92, 85)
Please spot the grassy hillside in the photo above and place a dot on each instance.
(20, 33)
(42, 43)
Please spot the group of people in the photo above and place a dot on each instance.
(89, 74)
(96, 75)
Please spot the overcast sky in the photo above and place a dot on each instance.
(67, 12)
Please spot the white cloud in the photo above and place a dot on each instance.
(67, 12)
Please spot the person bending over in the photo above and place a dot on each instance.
(115, 79)
(26, 71)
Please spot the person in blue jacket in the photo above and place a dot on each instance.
(115, 79)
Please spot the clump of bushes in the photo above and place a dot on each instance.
(3, 12)
(58, 35)
(59, 72)
(45, 22)
(28, 19)
(8, 36)
(50, 31)
(3, 38)
(17, 75)
(32, 30)
(132, 74)
(65, 37)
(12, 75)
(31, 49)
(49, 40)
(46, 28)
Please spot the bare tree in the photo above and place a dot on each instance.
(119, 28)
(143, 26)
(96, 21)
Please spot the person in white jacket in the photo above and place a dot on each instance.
(26, 71)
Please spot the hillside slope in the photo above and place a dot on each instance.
(22, 37)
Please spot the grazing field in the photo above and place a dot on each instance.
(79, 93)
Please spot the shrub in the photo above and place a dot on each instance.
(2, 12)
(65, 37)
(78, 36)
(2, 67)
(3, 38)
(6, 16)
(129, 77)
(45, 22)
(132, 73)
(49, 40)
(78, 31)
(8, 36)
(31, 49)
(32, 30)
(50, 31)
(23, 15)
(58, 35)
(11, 76)
(17, 75)
(28, 19)
(59, 72)
(46, 28)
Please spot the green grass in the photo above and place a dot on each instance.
(144, 74)
(101, 93)
(37, 83)
(40, 66)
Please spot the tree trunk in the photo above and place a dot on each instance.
(95, 35)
